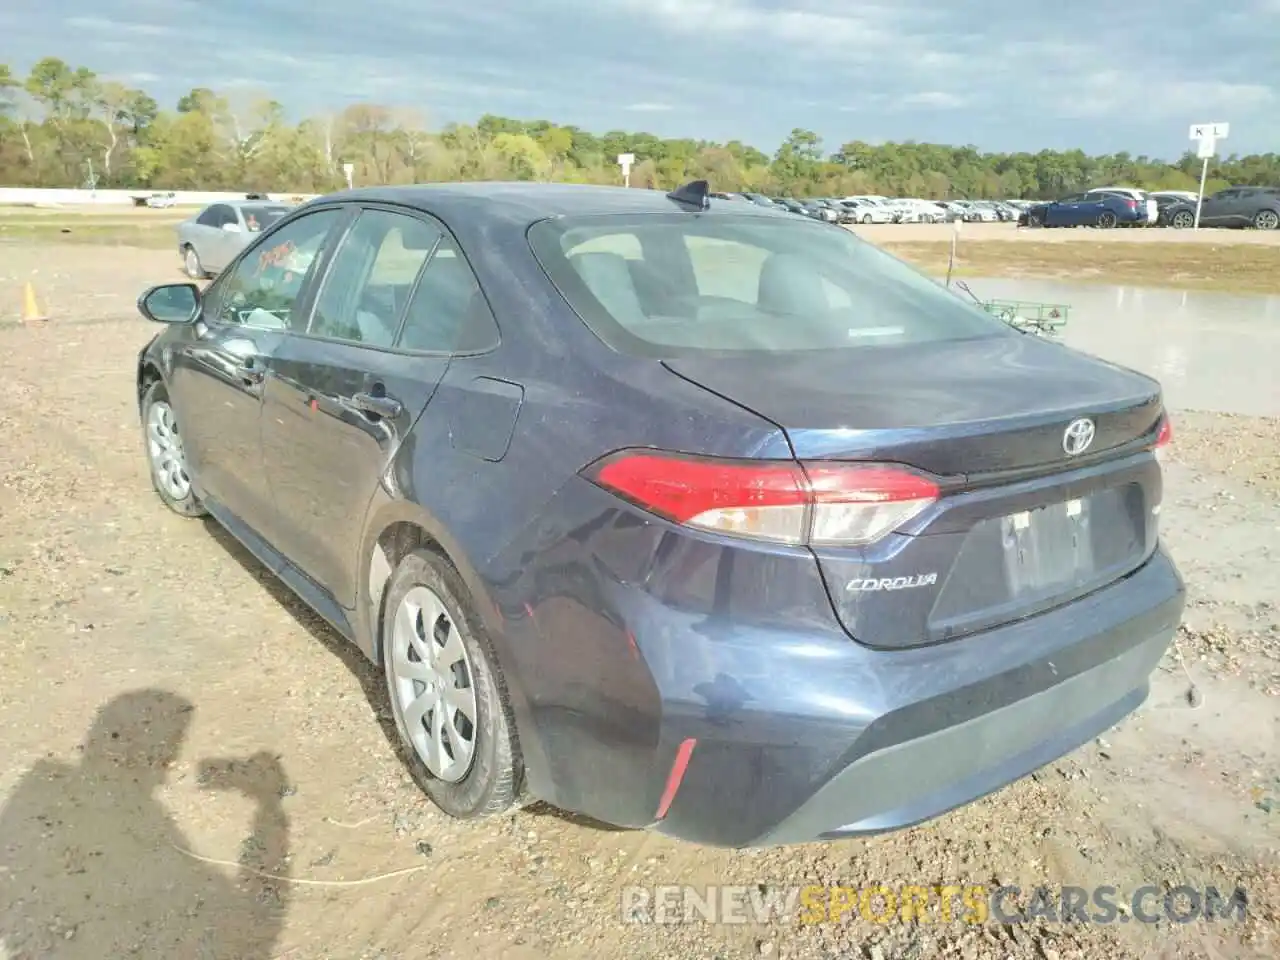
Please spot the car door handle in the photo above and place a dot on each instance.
(378, 405)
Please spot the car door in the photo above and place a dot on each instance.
(341, 398)
(203, 235)
(218, 374)
(1219, 210)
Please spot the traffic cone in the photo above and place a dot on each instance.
(30, 309)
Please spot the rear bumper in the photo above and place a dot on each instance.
(906, 736)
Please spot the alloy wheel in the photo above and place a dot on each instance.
(1183, 220)
(165, 450)
(432, 684)
(191, 261)
(1267, 220)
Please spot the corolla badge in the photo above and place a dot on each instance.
(1078, 436)
(891, 583)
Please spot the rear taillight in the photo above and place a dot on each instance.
(817, 502)
(1133, 204)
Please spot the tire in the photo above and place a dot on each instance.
(1183, 220)
(166, 458)
(1266, 220)
(1034, 220)
(191, 264)
(488, 781)
(1106, 220)
(866, 218)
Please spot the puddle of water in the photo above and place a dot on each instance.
(1210, 351)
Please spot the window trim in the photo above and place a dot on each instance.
(306, 295)
(359, 207)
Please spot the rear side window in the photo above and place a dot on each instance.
(217, 215)
(668, 285)
(366, 289)
(448, 312)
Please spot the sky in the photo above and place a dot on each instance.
(999, 74)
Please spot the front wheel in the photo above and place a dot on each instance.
(866, 218)
(1266, 220)
(447, 692)
(191, 264)
(166, 454)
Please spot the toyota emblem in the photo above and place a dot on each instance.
(1078, 436)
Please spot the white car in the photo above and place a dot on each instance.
(161, 201)
(867, 212)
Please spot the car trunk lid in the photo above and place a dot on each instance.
(1025, 521)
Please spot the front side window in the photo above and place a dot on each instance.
(366, 289)
(258, 217)
(676, 284)
(263, 287)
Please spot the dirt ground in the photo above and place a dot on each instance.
(165, 700)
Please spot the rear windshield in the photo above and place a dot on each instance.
(260, 217)
(668, 285)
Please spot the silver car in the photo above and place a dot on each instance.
(210, 240)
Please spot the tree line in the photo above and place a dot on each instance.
(65, 126)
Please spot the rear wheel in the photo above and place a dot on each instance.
(1106, 220)
(1035, 220)
(446, 690)
(1266, 220)
(1183, 220)
(165, 453)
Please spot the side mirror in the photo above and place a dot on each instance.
(231, 227)
(171, 303)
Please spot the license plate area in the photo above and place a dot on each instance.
(1049, 547)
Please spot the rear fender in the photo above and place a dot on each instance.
(376, 569)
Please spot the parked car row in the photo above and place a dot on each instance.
(1107, 207)
(877, 209)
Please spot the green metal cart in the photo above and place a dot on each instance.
(1042, 319)
(1028, 315)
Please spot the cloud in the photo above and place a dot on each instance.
(932, 99)
(1002, 74)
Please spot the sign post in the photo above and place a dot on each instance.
(625, 160)
(1206, 136)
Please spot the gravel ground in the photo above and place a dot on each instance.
(139, 648)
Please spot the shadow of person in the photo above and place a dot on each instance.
(92, 863)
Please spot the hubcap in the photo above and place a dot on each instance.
(193, 262)
(1267, 220)
(432, 685)
(164, 446)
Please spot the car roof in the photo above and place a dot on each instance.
(526, 203)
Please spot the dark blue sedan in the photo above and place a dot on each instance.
(1104, 210)
(673, 512)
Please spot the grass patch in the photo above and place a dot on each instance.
(1238, 268)
(155, 235)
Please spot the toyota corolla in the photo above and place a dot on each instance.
(678, 513)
